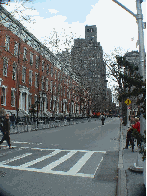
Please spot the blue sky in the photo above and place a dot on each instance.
(76, 10)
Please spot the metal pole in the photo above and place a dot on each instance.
(139, 18)
(141, 55)
(141, 38)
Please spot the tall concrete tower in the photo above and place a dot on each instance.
(91, 33)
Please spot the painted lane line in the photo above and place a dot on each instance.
(98, 166)
(24, 147)
(39, 159)
(59, 161)
(16, 158)
(68, 150)
(80, 163)
(20, 142)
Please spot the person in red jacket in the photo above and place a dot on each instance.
(129, 131)
(136, 125)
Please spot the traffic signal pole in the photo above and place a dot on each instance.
(139, 18)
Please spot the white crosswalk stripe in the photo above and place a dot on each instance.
(80, 164)
(74, 170)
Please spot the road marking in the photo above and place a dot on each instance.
(39, 159)
(80, 163)
(98, 166)
(68, 150)
(59, 161)
(16, 158)
(73, 171)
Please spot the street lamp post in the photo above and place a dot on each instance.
(139, 19)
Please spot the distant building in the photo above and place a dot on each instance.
(87, 63)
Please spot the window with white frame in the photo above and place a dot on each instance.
(25, 54)
(14, 71)
(3, 96)
(12, 97)
(16, 49)
(47, 69)
(51, 86)
(36, 80)
(7, 43)
(5, 66)
(55, 88)
(64, 91)
(31, 58)
(37, 62)
(43, 65)
(55, 74)
(50, 104)
(46, 84)
(23, 74)
(51, 71)
(30, 77)
(42, 83)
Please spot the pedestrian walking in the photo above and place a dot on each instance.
(102, 119)
(6, 131)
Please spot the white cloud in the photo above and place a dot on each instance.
(53, 11)
(115, 27)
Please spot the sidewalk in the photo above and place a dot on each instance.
(130, 177)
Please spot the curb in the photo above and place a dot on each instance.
(122, 186)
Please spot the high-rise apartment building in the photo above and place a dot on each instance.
(87, 62)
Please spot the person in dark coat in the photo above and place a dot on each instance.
(6, 131)
(102, 119)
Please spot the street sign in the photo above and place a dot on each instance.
(128, 101)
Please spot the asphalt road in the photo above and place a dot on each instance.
(76, 160)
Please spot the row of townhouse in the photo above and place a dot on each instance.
(31, 74)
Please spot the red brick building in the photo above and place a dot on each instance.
(32, 74)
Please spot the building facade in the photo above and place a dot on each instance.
(87, 62)
(31, 74)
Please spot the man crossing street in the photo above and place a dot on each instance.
(6, 131)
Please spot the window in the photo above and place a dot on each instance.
(50, 104)
(13, 97)
(42, 83)
(47, 69)
(23, 74)
(46, 82)
(3, 96)
(51, 86)
(46, 104)
(35, 100)
(30, 100)
(37, 62)
(14, 72)
(16, 49)
(51, 71)
(5, 66)
(55, 88)
(25, 54)
(30, 77)
(36, 80)
(55, 74)
(7, 43)
(90, 30)
(31, 58)
(42, 66)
